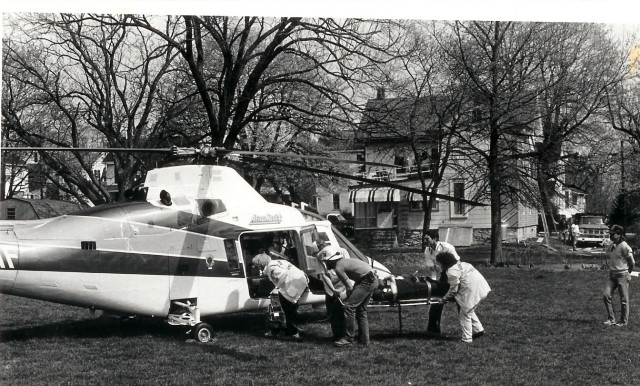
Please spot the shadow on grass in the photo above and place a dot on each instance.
(100, 327)
(382, 336)
(107, 326)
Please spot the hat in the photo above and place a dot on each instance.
(617, 229)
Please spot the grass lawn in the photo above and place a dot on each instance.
(544, 326)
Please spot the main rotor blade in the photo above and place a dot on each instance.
(206, 151)
(91, 149)
(305, 156)
(367, 180)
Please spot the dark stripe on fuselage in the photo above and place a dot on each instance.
(55, 259)
(167, 217)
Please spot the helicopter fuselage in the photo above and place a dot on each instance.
(132, 259)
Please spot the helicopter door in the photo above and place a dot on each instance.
(281, 244)
(309, 262)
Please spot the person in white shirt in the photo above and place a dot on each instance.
(621, 265)
(436, 277)
(575, 232)
(468, 288)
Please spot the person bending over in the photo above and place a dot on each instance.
(468, 288)
(358, 296)
(291, 282)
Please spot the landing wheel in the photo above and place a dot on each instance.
(202, 332)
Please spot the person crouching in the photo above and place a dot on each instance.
(468, 288)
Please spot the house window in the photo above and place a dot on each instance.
(416, 206)
(384, 207)
(476, 115)
(96, 174)
(336, 201)
(458, 193)
(11, 213)
(401, 162)
(365, 214)
(574, 199)
(362, 168)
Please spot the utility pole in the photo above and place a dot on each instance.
(622, 184)
(623, 188)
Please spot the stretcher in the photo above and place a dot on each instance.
(407, 293)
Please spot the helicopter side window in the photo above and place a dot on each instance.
(232, 255)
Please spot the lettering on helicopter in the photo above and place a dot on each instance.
(263, 219)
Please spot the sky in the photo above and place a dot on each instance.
(607, 11)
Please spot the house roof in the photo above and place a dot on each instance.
(397, 118)
(51, 208)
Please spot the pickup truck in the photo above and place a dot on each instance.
(592, 228)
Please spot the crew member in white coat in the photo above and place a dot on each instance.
(291, 282)
(468, 288)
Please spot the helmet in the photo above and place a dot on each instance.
(330, 253)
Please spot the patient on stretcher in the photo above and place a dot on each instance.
(394, 288)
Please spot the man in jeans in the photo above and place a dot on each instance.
(621, 264)
(359, 295)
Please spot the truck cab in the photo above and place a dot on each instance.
(592, 228)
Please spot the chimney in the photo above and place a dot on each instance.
(380, 93)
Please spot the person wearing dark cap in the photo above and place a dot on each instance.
(621, 265)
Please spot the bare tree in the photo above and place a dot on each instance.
(497, 62)
(579, 65)
(279, 79)
(423, 108)
(70, 81)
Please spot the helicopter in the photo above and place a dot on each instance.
(180, 249)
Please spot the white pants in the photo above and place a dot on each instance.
(469, 323)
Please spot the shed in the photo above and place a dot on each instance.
(24, 209)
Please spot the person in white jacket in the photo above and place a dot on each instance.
(291, 282)
(468, 288)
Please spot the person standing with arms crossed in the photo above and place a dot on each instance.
(621, 264)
